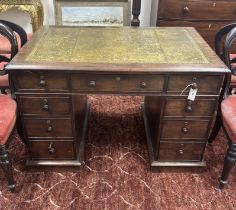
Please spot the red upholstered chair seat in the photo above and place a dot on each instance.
(228, 110)
(7, 117)
(5, 46)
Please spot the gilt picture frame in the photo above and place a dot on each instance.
(92, 13)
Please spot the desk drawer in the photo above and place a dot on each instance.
(55, 150)
(170, 151)
(95, 82)
(180, 106)
(40, 128)
(206, 84)
(202, 10)
(145, 83)
(124, 83)
(45, 105)
(41, 81)
(184, 129)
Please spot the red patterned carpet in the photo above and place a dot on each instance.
(116, 173)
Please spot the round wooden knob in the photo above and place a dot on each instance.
(189, 108)
(186, 10)
(45, 107)
(185, 130)
(143, 84)
(194, 85)
(92, 84)
(51, 148)
(49, 129)
(42, 83)
(181, 152)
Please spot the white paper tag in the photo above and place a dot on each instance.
(192, 94)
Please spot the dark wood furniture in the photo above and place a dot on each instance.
(52, 75)
(206, 16)
(136, 7)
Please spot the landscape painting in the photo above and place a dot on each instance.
(92, 16)
(92, 13)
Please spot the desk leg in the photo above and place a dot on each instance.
(152, 116)
(81, 111)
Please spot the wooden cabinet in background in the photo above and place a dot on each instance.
(206, 16)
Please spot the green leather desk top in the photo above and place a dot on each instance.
(118, 46)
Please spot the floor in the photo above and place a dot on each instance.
(116, 174)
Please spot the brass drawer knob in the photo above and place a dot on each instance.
(185, 130)
(92, 84)
(51, 148)
(143, 84)
(181, 151)
(49, 129)
(186, 10)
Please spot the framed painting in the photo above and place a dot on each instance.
(92, 13)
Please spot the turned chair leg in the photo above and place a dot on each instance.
(229, 162)
(7, 167)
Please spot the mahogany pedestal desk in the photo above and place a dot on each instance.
(53, 73)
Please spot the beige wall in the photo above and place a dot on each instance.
(147, 17)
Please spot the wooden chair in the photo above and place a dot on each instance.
(11, 35)
(7, 122)
(220, 39)
(227, 113)
(219, 45)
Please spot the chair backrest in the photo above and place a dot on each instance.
(8, 33)
(229, 40)
(18, 29)
(219, 41)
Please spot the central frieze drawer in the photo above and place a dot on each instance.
(29, 80)
(184, 128)
(46, 150)
(180, 106)
(48, 128)
(45, 105)
(206, 84)
(121, 83)
(95, 82)
(170, 151)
